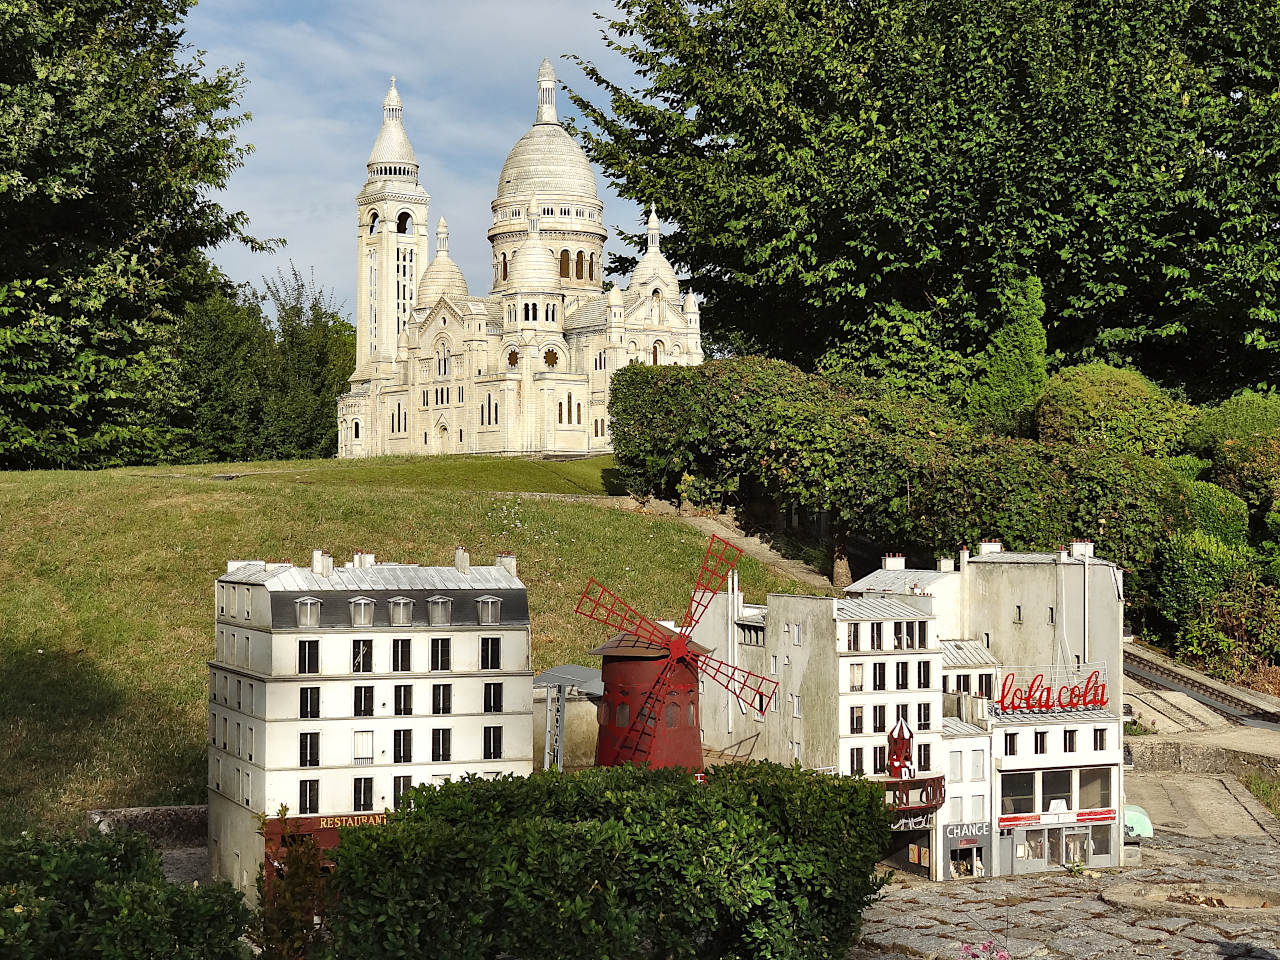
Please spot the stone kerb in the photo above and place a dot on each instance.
(168, 827)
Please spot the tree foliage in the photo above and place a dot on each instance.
(113, 138)
(851, 181)
(263, 383)
(106, 898)
(1238, 418)
(625, 862)
(1011, 374)
(1098, 405)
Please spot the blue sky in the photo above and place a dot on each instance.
(317, 73)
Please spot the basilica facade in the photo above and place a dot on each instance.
(525, 367)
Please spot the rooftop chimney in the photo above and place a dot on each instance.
(461, 560)
(964, 557)
(1062, 554)
(1081, 548)
(990, 546)
(507, 561)
(893, 561)
(946, 564)
(321, 563)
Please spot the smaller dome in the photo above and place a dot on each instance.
(535, 267)
(546, 71)
(442, 278)
(615, 296)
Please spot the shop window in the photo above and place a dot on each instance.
(1017, 793)
(1095, 788)
(1100, 836)
(1055, 786)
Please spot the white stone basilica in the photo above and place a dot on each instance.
(524, 369)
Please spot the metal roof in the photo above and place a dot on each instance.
(1032, 717)
(1009, 556)
(966, 653)
(286, 578)
(955, 727)
(584, 679)
(877, 608)
(898, 581)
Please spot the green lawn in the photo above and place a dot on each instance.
(107, 612)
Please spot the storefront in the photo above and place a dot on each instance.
(1058, 818)
(967, 850)
(911, 844)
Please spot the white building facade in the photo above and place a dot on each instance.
(523, 368)
(1014, 713)
(332, 691)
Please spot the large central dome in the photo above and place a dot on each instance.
(546, 161)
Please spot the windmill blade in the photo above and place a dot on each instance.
(600, 604)
(637, 742)
(721, 557)
(751, 689)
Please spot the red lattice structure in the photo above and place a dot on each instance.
(649, 713)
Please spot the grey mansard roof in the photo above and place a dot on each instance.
(877, 608)
(286, 578)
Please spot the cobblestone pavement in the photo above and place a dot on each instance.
(1061, 916)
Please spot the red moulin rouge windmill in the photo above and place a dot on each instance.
(649, 713)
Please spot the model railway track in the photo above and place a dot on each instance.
(1158, 672)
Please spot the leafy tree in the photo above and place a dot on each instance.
(285, 926)
(1245, 415)
(315, 354)
(1012, 372)
(112, 139)
(848, 179)
(1114, 409)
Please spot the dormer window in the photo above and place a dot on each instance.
(401, 611)
(439, 611)
(488, 609)
(362, 612)
(308, 609)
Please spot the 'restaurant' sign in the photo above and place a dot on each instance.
(1037, 689)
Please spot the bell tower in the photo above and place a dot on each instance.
(391, 242)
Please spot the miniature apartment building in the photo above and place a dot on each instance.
(332, 690)
(1002, 673)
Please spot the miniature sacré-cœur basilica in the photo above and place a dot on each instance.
(525, 368)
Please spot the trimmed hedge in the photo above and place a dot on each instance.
(106, 898)
(1100, 405)
(1219, 513)
(764, 861)
(1241, 416)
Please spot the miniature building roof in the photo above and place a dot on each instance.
(1032, 717)
(877, 608)
(585, 679)
(966, 653)
(627, 645)
(955, 727)
(286, 578)
(898, 581)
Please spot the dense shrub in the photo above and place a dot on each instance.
(1242, 416)
(1250, 468)
(1188, 466)
(1218, 512)
(762, 861)
(1238, 629)
(1194, 569)
(106, 897)
(1100, 405)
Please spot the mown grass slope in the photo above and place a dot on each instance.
(106, 613)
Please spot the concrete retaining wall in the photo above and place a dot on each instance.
(167, 826)
(1187, 756)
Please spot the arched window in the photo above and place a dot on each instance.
(526, 313)
(693, 716)
(655, 353)
(404, 223)
(483, 410)
(560, 406)
(673, 714)
(534, 313)
(595, 428)
(373, 223)
(578, 270)
(571, 408)
(579, 414)
(591, 267)
(564, 264)
(355, 429)
(504, 266)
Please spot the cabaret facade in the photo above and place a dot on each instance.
(523, 368)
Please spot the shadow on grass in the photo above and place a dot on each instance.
(54, 707)
(611, 478)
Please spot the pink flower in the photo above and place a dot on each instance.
(988, 945)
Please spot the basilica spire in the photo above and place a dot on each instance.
(442, 237)
(547, 93)
(655, 228)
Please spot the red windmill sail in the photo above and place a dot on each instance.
(669, 679)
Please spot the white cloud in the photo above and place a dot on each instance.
(316, 76)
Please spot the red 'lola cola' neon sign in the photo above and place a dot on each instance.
(1045, 691)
